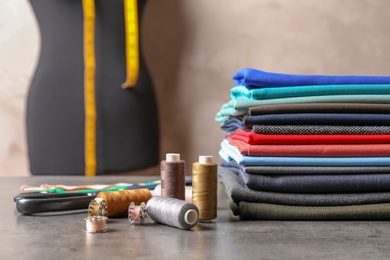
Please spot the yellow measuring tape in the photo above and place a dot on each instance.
(132, 70)
(89, 88)
(132, 49)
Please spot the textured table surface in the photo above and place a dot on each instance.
(61, 236)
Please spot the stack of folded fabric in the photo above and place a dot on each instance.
(307, 147)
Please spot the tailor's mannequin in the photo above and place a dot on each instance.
(127, 130)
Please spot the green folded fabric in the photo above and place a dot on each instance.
(305, 91)
(228, 110)
(260, 211)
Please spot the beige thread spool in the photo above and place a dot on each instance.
(204, 188)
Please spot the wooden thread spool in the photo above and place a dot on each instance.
(173, 177)
(204, 187)
(118, 201)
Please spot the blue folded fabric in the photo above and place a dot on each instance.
(252, 78)
(232, 125)
(229, 152)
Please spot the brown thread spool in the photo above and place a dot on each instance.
(173, 177)
(204, 187)
(118, 201)
(188, 192)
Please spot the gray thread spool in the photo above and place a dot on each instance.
(173, 177)
(172, 212)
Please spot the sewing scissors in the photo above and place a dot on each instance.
(56, 199)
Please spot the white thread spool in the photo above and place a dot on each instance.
(191, 217)
(96, 221)
(95, 224)
(172, 157)
(205, 159)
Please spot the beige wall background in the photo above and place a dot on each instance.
(193, 48)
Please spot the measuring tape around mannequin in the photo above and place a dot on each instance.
(132, 70)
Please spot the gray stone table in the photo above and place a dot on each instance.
(61, 236)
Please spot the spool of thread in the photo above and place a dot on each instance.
(173, 177)
(169, 211)
(137, 213)
(118, 201)
(204, 187)
(95, 224)
(97, 207)
(188, 192)
(96, 221)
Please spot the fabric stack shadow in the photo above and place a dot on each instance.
(307, 147)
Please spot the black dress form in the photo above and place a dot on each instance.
(127, 128)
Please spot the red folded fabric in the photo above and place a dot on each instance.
(254, 138)
(312, 150)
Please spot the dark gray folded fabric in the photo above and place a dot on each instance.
(237, 190)
(311, 123)
(311, 129)
(303, 170)
(260, 211)
(340, 183)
